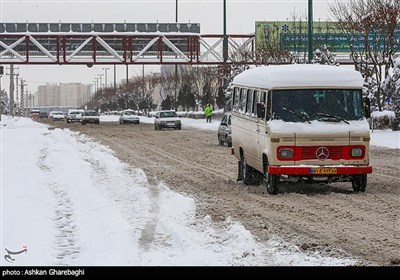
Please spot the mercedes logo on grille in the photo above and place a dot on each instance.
(322, 153)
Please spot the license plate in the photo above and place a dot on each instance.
(323, 170)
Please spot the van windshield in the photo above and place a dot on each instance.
(333, 105)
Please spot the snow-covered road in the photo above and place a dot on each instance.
(69, 201)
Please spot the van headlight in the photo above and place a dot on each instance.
(356, 152)
(285, 153)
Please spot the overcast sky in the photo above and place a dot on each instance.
(241, 18)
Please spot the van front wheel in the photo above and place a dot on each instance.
(359, 183)
(272, 183)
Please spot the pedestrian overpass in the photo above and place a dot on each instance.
(119, 43)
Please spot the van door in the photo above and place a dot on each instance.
(261, 131)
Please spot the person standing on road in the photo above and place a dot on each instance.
(208, 111)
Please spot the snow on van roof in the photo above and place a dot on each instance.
(299, 75)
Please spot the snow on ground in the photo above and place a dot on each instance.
(70, 201)
(383, 138)
(386, 138)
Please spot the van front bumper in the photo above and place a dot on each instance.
(319, 170)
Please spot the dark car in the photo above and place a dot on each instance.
(43, 115)
(225, 131)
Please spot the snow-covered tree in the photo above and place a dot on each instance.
(236, 70)
(391, 86)
(4, 102)
(371, 28)
(370, 89)
(324, 56)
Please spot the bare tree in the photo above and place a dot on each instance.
(144, 90)
(370, 26)
(271, 51)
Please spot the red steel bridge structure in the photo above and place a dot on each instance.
(122, 43)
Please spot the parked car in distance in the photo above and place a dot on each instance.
(90, 116)
(74, 115)
(225, 130)
(44, 115)
(57, 115)
(128, 116)
(167, 119)
(35, 114)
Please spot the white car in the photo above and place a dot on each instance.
(74, 115)
(167, 119)
(128, 116)
(57, 115)
(90, 116)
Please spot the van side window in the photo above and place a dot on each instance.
(249, 103)
(242, 103)
(269, 106)
(236, 99)
(255, 101)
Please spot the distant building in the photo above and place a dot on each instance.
(67, 95)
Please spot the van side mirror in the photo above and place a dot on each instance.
(367, 107)
(260, 110)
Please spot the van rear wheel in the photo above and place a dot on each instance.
(272, 183)
(247, 171)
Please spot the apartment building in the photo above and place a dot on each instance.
(68, 95)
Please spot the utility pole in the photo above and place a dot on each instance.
(115, 78)
(12, 90)
(127, 79)
(22, 102)
(144, 85)
(310, 31)
(16, 92)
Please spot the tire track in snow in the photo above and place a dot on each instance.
(130, 195)
(65, 242)
(149, 230)
(144, 222)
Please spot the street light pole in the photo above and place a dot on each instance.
(105, 72)
(176, 11)
(225, 48)
(12, 90)
(97, 84)
(101, 80)
(94, 90)
(115, 78)
(310, 31)
(176, 65)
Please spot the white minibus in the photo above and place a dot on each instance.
(300, 123)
